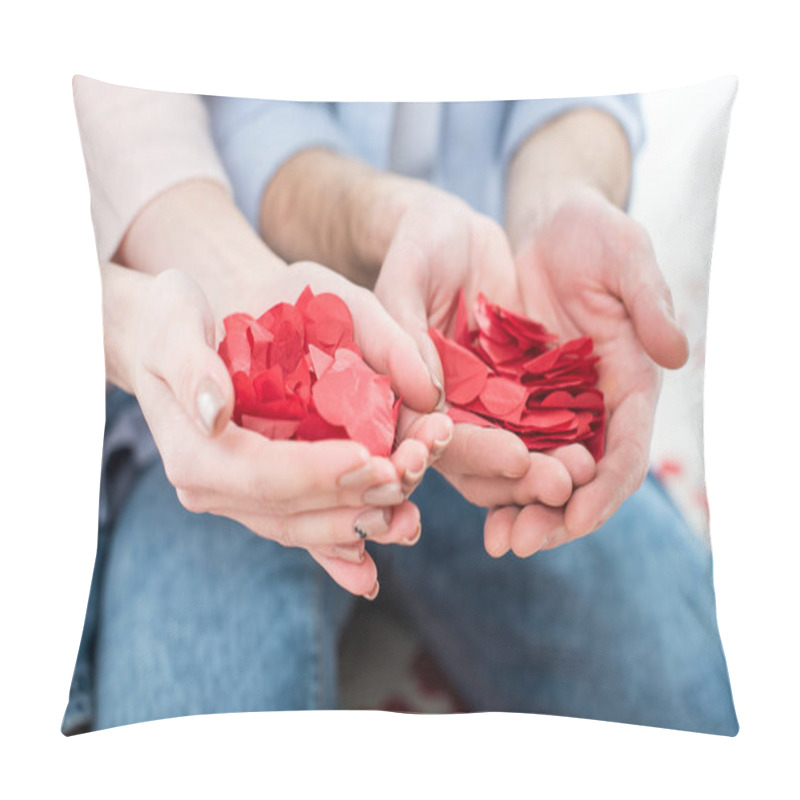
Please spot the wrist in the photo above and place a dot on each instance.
(122, 292)
(332, 209)
(376, 204)
(582, 153)
(195, 227)
(542, 205)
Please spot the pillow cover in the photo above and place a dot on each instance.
(675, 190)
(192, 613)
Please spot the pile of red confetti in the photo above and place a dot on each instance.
(509, 373)
(298, 374)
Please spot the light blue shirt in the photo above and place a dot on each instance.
(476, 139)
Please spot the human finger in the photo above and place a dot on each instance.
(488, 452)
(243, 471)
(422, 441)
(402, 288)
(335, 527)
(620, 471)
(435, 430)
(177, 344)
(546, 481)
(578, 461)
(497, 530)
(392, 350)
(355, 553)
(411, 459)
(359, 579)
(534, 527)
(648, 300)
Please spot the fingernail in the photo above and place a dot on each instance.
(389, 494)
(413, 476)
(430, 356)
(498, 553)
(357, 477)
(209, 404)
(354, 555)
(415, 538)
(438, 384)
(372, 523)
(440, 445)
(371, 595)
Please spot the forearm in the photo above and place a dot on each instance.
(336, 210)
(196, 228)
(581, 150)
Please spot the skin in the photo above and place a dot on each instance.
(418, 246)
(568, 257)
(162, 328)
(586, 268)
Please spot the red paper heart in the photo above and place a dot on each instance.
(298, 374)
(511, 372)
(352, 396)
(464, 373)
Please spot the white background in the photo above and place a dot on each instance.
(674, 195)
(52, 384)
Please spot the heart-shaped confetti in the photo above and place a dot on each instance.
(510, 372)
(298, 374)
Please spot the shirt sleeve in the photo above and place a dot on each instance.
(527, 116)
(136, 144)
(255, 137)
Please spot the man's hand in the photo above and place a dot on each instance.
(590, 270)
(440, 246)
(418, 246)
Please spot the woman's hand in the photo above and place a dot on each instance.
(323, 496)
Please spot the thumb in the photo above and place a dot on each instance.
(649, 303)
(406, 302)
(181, 350)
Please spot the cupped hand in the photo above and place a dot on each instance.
(327, 496)
(590, 270)
(439, 247)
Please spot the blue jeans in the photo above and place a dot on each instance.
(197, 615)
(619, 626)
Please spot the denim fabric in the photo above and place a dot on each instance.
(198, 615)
(128, 449)
(618, 626)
